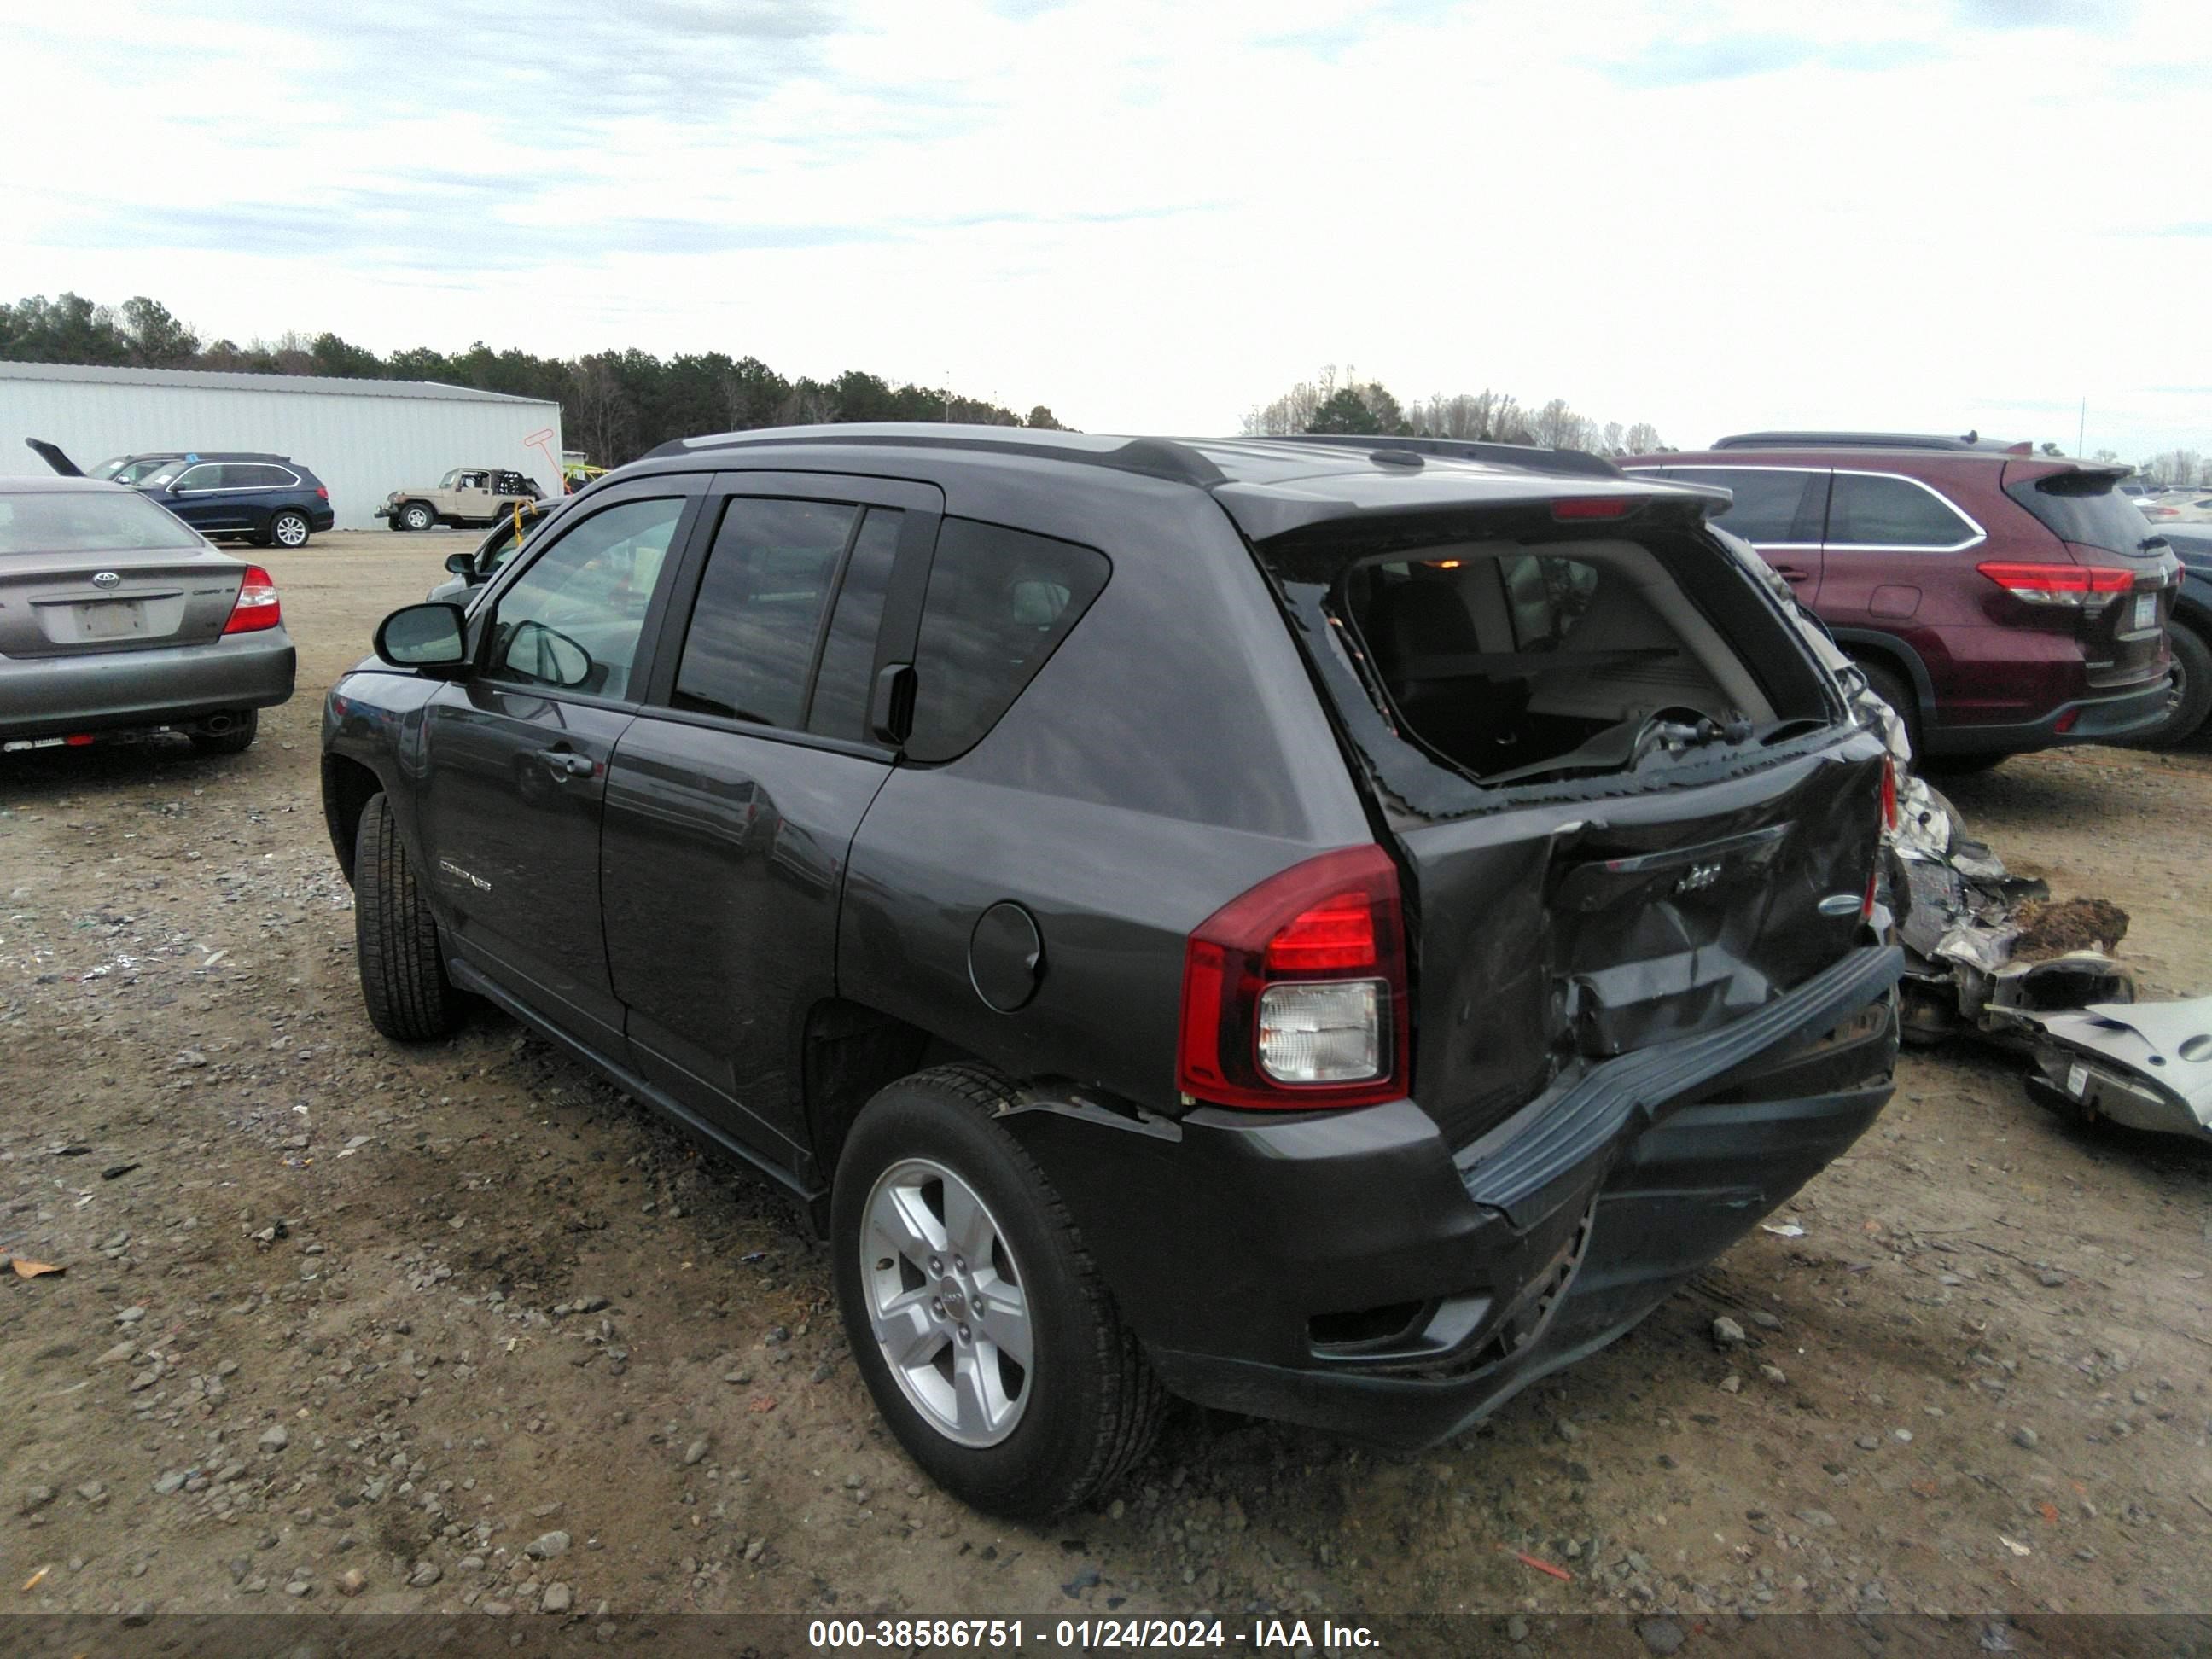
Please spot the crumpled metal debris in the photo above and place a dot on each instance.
(2146, 1065)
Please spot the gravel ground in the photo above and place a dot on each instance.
(347, 1324)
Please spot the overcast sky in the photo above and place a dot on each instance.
(1152, 216)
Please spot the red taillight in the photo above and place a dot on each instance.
(1866, 904)
(256, 606)
(2081, 586)
(322, 492)
(79, 740)
(1888, 792)
(1594, 507)
(1302, 977)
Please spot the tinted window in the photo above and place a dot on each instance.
(2082, 507)
(1767, 502)
(573, 619)
(751, 644)
(1865, 511)
(999, 601)
(243, 476)
(841, 685)
(205, 476)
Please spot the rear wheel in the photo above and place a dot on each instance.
(417, 515)
(2190, 701)
(228, 734)
(288, 529)
(402, 972)
(978, 1319)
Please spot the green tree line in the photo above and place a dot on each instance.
(1347, 404)
(615, 405)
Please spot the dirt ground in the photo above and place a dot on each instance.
(459, 1326)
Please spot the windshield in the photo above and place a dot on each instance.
(2084, 508)
(450, 479)
(87, 521)
(127, 468)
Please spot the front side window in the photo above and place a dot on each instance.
(1000, 603)
(573, 620)
(1770, 503)
(1868, 510)
(206, 476)
(749, 648)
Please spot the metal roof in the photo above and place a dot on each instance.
(200, 380)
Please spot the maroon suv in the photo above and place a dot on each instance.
(2003, 600)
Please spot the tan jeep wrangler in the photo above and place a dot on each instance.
(466, 495)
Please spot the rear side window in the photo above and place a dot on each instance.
(1771, 505)
(2084, 508)
(750, 648)
(1000, 603)
(1868, 510)
(248, 475)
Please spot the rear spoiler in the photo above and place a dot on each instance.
(52, 456)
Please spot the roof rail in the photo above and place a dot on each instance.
(1971, 441)
(1531, 457)
(1156, 457)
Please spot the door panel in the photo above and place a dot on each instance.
(510, 809)
(515, 757)
(732, 803)
(722, 860)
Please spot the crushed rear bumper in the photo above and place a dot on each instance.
(1352, 1273)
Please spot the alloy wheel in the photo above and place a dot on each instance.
(291, 531)
(946, 1303)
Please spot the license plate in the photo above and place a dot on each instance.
(111, 621)
(2146, 611)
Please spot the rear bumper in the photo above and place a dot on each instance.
(2088, 720)
(54, 696)
(1351, 1272)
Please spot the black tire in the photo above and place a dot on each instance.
(393, 523)
(1091, 1406)
(2192, 690)
(418, 515)
(402, 972)
(235, 740)
(1892, 690)
(287, 529)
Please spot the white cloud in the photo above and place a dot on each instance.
(1151, 216)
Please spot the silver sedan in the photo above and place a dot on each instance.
(118, 619)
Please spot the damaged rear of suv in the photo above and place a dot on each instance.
(1338, 934)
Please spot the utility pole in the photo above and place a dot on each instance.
(2081, 432)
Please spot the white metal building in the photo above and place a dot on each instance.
(362, 438)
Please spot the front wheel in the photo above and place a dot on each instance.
(403, 971)
(978, 1322)
(417, 515)
(289, 530)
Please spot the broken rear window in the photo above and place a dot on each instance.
(1518, 662)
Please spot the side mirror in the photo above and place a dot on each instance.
(462, 564)
(429, 636)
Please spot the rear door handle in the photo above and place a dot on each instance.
(1790, 573)
(566, 763)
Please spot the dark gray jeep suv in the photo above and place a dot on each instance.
(1331, 934)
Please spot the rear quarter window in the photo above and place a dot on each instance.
(2085, 508)
(999, 604)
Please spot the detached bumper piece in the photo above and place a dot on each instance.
(2144, 1065)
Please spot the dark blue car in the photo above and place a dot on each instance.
(269, 499)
